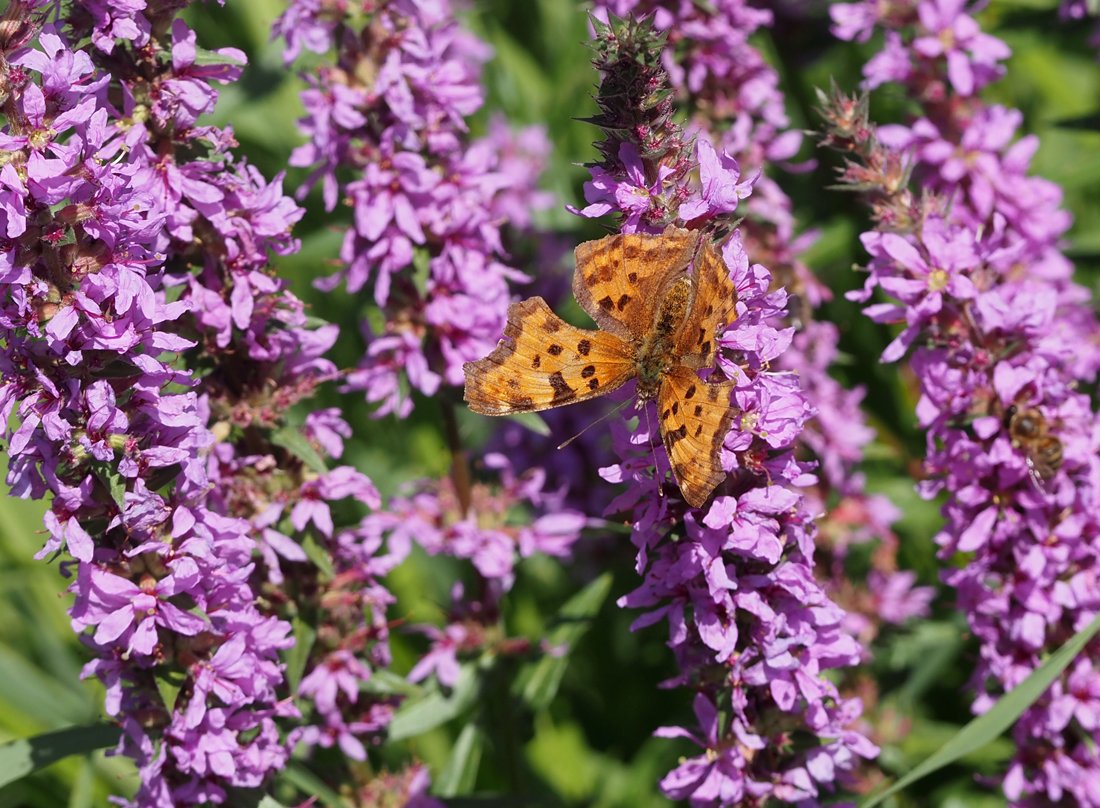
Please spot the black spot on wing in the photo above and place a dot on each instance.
(589, 370)
(554, 350)
(561, 388)
(583, 347)
(676, 435)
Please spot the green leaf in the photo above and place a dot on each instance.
(292, 439)
(532, 421)
(987, 727)
(27, 755)
(114, 482)
(422, 269)
(387, 683)
(417, 716)
(459, 776)
(298, 654)
(303, 779)
(205, 58)
(573, 620)
(270, 802)
(318, 555)
(169, 683)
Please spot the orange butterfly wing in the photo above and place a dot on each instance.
(695, 417)
(713, 305)
(544, 362)
(619, 279)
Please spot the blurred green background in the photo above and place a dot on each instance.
(592, 747)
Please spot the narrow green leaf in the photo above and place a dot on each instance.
(416, 716)
(114, 482)
(387, 683)
(318, 555)
(270, 802)
(532, 421)
(1000, 717)
(298, 654)
(292, 439)
(169, 683)
(205, 58)
(303, 779)
(459, 776)
(573, 620)
(27, 755)
(422, 269)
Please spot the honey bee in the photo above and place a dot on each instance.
(1029, 432)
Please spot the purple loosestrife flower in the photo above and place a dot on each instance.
(998, 338)
(645, 157)
(972, 57)
(836, 437)
(428, 203)
(735, 579)
(748, 553)
(481, 532)
(731, 92)
(135, 447)
(733, 98)
(408, 788)
(632, 194)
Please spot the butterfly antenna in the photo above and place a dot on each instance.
(601, 419)
(653, 450)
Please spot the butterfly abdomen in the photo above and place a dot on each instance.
(655, 351)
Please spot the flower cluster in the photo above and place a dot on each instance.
(428, 205)
(151, 359)
(836, 437)
(428, 202)
(733, 100)
(98, 220)
(731, 94)
(478, 524)
(752, 630)
(993, 325)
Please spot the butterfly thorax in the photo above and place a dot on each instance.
(655, 350)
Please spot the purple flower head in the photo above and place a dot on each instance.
(983, 291)
(972, 56)
(721, 191)
(188, 94)
(628, 193)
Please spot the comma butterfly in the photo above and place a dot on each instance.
(658, 324)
